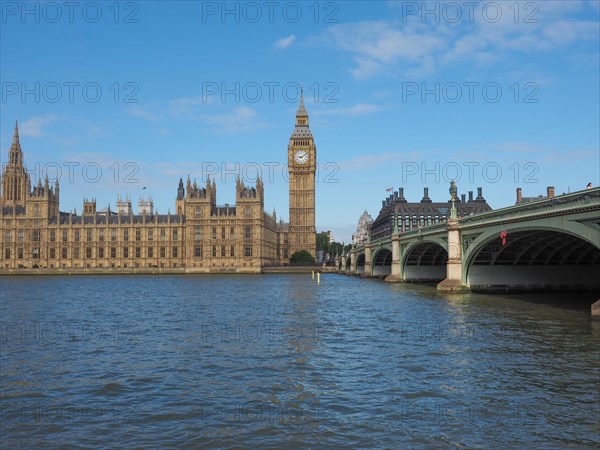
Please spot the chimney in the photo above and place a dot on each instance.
(479, 194)
(463, 198)
(519, 195)
(401, 194)
(550, 191)
(470, 196)
(426, 198)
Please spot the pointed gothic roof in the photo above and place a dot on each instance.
(301, 109)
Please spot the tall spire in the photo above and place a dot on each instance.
(16, 134)
(15, 155)
(302, 117)
(180, 190)
(301, 110)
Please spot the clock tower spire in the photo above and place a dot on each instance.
(302, 164)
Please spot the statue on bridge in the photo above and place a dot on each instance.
(452, 190)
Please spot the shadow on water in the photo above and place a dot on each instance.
(571, 300)
(578, 301)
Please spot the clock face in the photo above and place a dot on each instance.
(301, 157)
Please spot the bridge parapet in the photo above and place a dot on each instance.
(580, 200)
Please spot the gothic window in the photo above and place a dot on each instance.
(175, 252)
(248, 250)
(197, 232)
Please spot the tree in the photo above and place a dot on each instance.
(323, 241)
(302, 258)
(335, 248)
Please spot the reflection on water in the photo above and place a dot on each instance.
(277, 361)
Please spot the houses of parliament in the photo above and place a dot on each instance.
(201, 236)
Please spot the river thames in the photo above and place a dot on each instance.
(276, 361)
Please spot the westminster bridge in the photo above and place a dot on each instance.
(547, 244)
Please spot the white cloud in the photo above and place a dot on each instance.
(33, 127)
(359, 109)
(376, 159)
(186, 105)
(414, 48)
(238, 120)
(143, 114)
(285, 42)
(378, 46)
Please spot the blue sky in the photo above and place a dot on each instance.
(412, 94)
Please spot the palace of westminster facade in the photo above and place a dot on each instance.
(201, 236)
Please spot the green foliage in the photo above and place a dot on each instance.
(323, 241)
(302, 258)
(335, 248)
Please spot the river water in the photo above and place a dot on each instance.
(277, 361)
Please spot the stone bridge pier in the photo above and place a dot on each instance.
(396, 275)
(454, 280)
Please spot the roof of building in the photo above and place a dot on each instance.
(124, 218)
(397, 203)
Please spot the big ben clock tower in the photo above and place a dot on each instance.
(302, 164)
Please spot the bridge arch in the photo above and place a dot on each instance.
(548, 256)
(381, 262)
(425, 261)
(360, 263)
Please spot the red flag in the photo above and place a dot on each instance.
(503, 235)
